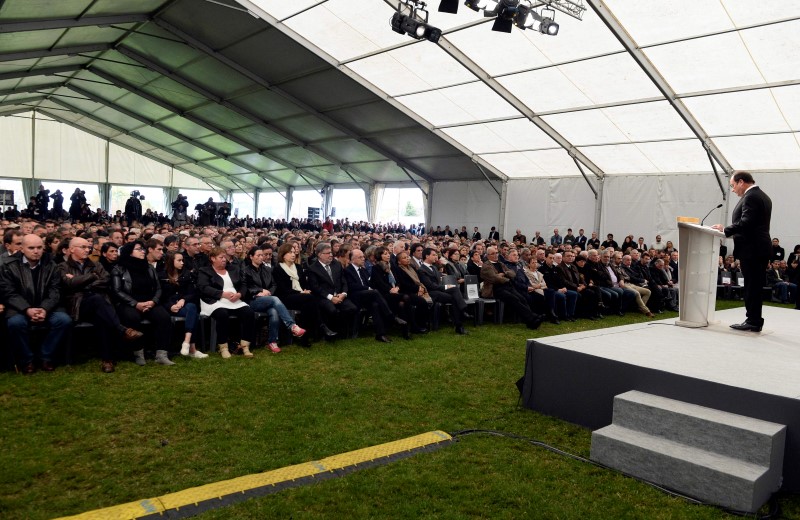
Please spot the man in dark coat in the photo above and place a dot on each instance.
(29, 286)
(752, 244)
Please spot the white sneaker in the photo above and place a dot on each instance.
(198, 355)
(185, 349)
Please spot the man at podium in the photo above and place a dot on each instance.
(752, 243)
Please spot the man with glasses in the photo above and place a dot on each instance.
(752, 244)
(326, 281)
(191, 248)
(84, 292)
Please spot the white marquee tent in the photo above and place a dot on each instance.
(626, 119)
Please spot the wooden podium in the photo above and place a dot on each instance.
(697, 271)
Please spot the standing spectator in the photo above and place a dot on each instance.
(778, 253)
(556, 240)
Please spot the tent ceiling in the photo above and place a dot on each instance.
(315, 92)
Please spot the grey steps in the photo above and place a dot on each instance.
(715, 456)
(752, 440)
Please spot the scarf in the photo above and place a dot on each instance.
(413, 275)
(293, 276)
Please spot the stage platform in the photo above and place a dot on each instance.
(576, 376)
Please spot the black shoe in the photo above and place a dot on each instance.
(400, 321)
(29, 369)
(48, 366)
(554, 319)
(467, 316)
(460, 330)
(383, 339)
(534, 323)
(406, 332)
(328, 333)
(420, 330)
(747, 326)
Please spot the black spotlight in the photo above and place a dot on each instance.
(448, 6)
(405, 24)
(506, 12)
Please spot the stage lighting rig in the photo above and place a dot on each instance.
(521, 13)
(411, 18)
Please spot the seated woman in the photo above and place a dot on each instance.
(453, 265)
(221, 297)
(409, 284)
(137, 294)
(474, 264)
(290, 279)
(383, 281)
(179, 297)
(259, 288)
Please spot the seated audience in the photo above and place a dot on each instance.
(84, 293)
(179, 297)
(137, 293)
(260, 287)
(291, 288)
(29, 288)
(221, 297)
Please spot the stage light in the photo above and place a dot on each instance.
(506, 12)
(548, 26)
(410, 24)
(448, 6)
(528, 18)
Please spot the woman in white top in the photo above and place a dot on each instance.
(221, 297)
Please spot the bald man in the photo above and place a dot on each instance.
(85, 287)
(30, 287)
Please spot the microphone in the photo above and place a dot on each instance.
(710, 212)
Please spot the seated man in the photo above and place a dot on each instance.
(29, 286)
(363, 295)
(783, 290)
(662, 281)
(563, 299)
(588, 297)
(327, 283)
(84, 292)
(429, 277)
(498, 283)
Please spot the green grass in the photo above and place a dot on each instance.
(77, 439)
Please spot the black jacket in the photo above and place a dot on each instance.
(17, 290)
(185, 289)
(321, 284)
(257, 280)
(122, 285)
(210, 284)
(750, 226)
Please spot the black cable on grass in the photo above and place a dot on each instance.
(774, 507)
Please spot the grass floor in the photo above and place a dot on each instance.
(77, 439)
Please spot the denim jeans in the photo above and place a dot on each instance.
(277, 313)
(58, 322)
(190, 313)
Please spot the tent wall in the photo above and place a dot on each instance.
(465, 204)
(545, 204)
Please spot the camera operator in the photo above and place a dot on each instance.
(223, 212)
(78, 199)
(133, 207)
(42, 201)
(179, 208)
(208, 212)
(58, 205)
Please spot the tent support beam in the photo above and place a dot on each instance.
(580, 169)
(658, 80)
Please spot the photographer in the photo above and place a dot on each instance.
(58, 205)
(78, 199)
(179, 208)
(208, 212)
(42, 201)
(133, 207)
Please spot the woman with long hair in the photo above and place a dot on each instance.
(137, 294)
(290, 280)
(221, 293)
(180, 299)
(260, 288)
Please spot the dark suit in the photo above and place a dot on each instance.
(322, 285)
(358, 281)
(752, 245)
(429, 277)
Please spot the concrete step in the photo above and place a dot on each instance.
(702, 474)
(744, 438)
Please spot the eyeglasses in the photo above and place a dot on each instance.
(137, 248)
